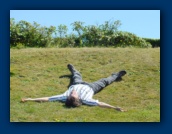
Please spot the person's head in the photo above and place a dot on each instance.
(73, 100)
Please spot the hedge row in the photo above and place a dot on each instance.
(153, 42)
(25, 34)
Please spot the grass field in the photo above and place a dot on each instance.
(35, 72)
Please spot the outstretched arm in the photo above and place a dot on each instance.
(43, 99)
(105, 105)
(60, 97)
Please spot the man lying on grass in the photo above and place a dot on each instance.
(81, 92)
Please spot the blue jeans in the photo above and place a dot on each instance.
(97, 86)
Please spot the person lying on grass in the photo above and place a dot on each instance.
(81, 92)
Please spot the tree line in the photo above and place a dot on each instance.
(25, 34)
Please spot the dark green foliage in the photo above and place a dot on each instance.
(154, 42)
(23, 34)
(125, 39)
(30, 35)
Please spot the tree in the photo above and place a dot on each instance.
(91, 35)
(62, 30)
(78, 27)
(110, 27)
(30, 35)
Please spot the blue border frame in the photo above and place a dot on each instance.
(166, 89)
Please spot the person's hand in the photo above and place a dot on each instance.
(22, 100)
(120, 109)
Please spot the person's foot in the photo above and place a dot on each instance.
(121, 73)
(70, 67)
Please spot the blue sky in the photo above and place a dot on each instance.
(143, 23)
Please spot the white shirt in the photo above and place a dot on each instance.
(84, 92)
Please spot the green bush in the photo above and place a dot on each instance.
(123, 39)
(20, 46)
(25, 34)
(153, 42)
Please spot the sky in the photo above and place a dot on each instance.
(143, 23)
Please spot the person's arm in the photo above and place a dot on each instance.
(93, 102)
(61, 97)
(105, 105)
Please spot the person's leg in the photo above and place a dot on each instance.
(102, 83)
(76, 76)
(43, 99)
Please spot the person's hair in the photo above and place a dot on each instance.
(73, 102)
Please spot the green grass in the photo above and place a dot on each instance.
(34, 72)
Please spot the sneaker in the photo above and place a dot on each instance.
(121, 73)
(70, 67)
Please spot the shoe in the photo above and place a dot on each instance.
(121, 73)
(70, 67)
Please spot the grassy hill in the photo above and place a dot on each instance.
(35, 72)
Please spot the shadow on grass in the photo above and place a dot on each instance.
(69, 76)
(12, 74)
